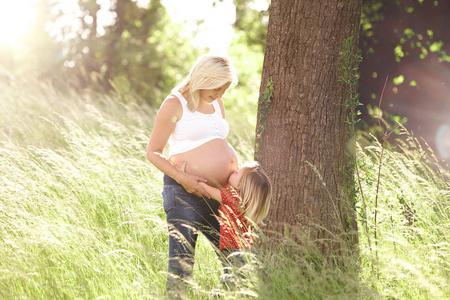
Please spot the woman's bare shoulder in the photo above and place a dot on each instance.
(172, 100)
(171, 105)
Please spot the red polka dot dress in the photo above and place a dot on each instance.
(234, 228)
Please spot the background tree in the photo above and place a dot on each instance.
(135, 48)
(247, 52)
(301, 129)
(141, 50)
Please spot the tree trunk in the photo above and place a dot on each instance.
(301, 131)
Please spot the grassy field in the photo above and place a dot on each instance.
(81, 214)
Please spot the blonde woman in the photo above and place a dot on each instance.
(192, 120)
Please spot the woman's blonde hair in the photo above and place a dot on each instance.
(209, 72)
(256, 192)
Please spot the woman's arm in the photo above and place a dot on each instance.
(169, 113)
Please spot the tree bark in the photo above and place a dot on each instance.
(302, 133)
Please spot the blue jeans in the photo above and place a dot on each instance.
(186, 215)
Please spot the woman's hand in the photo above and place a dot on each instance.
(191, 183)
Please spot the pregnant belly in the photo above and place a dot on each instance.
(214, 161)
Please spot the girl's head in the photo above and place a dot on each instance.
(255, 190)
(208, 73)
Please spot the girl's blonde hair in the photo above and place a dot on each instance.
(209, 72)
(256, 192)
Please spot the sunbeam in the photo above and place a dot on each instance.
(15, 17)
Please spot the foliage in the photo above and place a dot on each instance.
(242, 100)
(378, 116)
(142, 51)
(349, 68)
(142, 48)
(252, 22)
(407, 42)
(350, 60)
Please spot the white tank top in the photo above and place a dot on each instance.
(195, 129)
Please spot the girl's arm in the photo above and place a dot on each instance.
(209, 191)
(214, 193)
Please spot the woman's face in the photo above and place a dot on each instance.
(213, 94)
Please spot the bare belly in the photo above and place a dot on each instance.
(214, 161)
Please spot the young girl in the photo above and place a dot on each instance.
(243, 204)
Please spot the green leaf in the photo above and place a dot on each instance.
(436, 46)
(399, 51)
(399, 80)
(408, 32)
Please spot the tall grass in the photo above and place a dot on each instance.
(410, 259)
(80, 208)
(81, 214)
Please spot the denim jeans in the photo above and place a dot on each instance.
(186, 215)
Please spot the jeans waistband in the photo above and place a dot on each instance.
(169, 180)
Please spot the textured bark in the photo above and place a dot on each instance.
(306, 123)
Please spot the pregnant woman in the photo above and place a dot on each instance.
(192, 120)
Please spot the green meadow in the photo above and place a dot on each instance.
(81, 213)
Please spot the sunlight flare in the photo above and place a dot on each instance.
(15, 18)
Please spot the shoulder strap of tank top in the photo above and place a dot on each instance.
(180, 97)
(217, 107)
